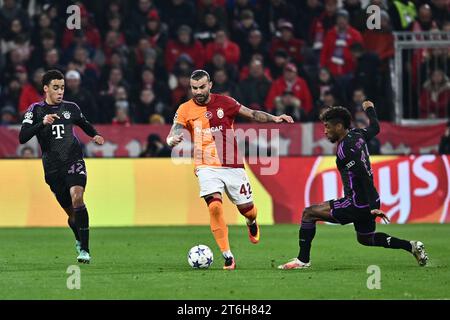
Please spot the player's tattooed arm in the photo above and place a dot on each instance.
(261, 116)
(175, 135)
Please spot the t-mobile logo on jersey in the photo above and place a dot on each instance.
(58, 130)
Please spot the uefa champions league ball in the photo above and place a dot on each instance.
(200, 257)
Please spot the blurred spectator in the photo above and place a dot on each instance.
(236, 7)
(157, 32)
(336, 54)
(219, 62)
(326, 83)
(208, 28)
(435, 96)
(155, 147)
(8, 115)
(367, 71)
(27, 153)
(424, 21)
(245, 70)
(357, 14)
(11, 93)
(148, 105)
(252, 92)
(8, 12)
(229, 49)
(211, 17)
(138, 19)
(87, 69)
(12, 34)
(381, 41)
(243, 28)
(286, 41)
(289, 104)
(121, 117)
(436, 58)
(279, 10)
(184, 64)
(81, 96)
(177, 13)
(254, 44)
(402, 13)
(52, 60)
(329, 100)
(362, 122)
(31, 92)
(290, 81)
(107, 92)
(115, 24)
(47, 41)
(441, 11)
(444, 144)
(112, 44)
(149, 81)
(181, 93)
(88, 29)
(308, 15)
(279, 61)
(184, 43)
(157, 119)
(358, 97)
(321, 25)
(221, 83)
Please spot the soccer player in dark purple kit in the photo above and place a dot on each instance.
(361, 203)
(52, 121)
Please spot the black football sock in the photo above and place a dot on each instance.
(381, 239)
(73, 226)
(306, 235)
(82, 222)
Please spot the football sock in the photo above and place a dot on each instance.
(218, 226)
(73, 226)
(380, 239)
(249, 213)
(82, 223)
(306, 235)
(384, 240)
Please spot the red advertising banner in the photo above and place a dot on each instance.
(294, 139)
(412, 189)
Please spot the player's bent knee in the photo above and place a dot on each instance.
(215, 207)
(307, 214)
(77, 199)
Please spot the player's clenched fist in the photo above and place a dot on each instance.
(50, 118)
(174, 140)
(367, 104)
(98, 140)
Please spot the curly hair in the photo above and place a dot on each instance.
(337, 115)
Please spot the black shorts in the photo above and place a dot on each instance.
(344, 211)
(60, 182)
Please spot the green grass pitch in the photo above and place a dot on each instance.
(151, 263)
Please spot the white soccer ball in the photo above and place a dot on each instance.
(200, 257)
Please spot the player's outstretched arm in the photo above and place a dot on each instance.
(261, 116)
(29, 129)
(374, 128)
(175, 135)
(89, 129)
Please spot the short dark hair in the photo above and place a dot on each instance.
(198, 74)
(51, 75)
(337, 115)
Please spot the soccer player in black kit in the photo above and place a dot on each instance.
(52, 121)
(361, 203)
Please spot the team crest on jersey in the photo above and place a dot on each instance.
(66, 114)
(208, 115)
(29, 115)
(220, 113)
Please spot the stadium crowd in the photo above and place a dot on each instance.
(130, 61)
